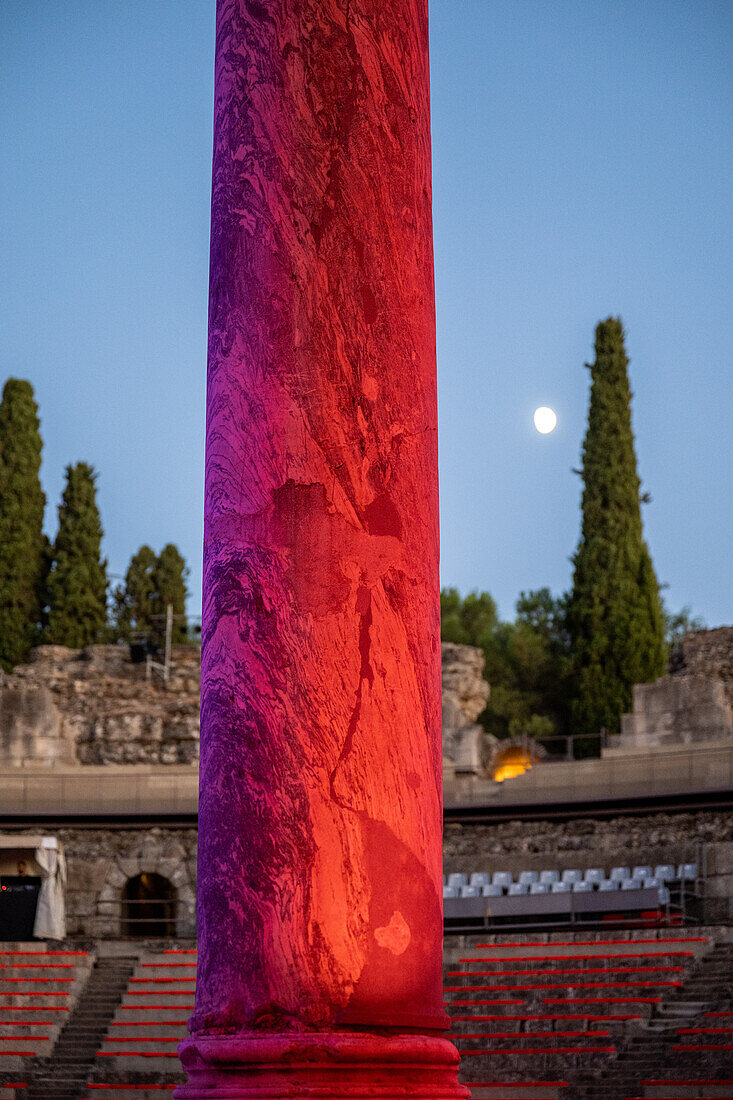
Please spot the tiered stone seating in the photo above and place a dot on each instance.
(691, 1054)
(12, 1090)
(612, 1016)
(130, 1091)
(535, 1018)
(148, 1025)
(38, 988)
(686, 1088)
(511, 1090)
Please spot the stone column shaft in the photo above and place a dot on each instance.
(320, 862)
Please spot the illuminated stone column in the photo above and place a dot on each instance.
(320, 869)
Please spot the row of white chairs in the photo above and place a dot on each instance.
(662, 874)
(518, 889)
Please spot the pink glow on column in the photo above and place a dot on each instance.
(320, 864)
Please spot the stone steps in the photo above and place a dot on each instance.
(63, 1076)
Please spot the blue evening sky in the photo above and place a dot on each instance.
(582, 167)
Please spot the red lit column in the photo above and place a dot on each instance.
(320, 881)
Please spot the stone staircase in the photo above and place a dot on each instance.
(651, 1054)
(63, 1075)
(711, 983)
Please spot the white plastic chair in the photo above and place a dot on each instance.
(618, 874)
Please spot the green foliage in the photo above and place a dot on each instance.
(169, 582)
(77, 583)
(536, 726)
(525, 663)
(469, 621)
(133, 602)
(677, 624)
(23, 546)
(614, 614)
(151, 583)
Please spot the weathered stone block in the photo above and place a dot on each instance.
(31, 727)
(466, 747)
(677, 710)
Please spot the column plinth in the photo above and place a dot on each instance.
(327, 1064)
(320, 812)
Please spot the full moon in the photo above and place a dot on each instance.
(544, 420)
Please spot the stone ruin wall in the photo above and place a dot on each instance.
(100, 861)
(693, 703)
(466, 747)
(94, 706)
(706, 653)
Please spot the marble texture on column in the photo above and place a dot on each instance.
(320, 864)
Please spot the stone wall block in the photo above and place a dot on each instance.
(720, 858)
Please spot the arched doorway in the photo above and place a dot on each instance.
(149, 906)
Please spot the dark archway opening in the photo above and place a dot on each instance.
(149, 906)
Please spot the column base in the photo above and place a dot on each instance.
(320, 1066)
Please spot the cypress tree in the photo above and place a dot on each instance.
(134, 601)
(77, 584)
(23, 546)
(615, 617)
(169, 584)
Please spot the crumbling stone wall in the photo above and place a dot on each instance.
(94, 706)
(706, 653)
(694, 703)
(466, 747)
(31, 726)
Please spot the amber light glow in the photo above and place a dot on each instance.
(511, 763)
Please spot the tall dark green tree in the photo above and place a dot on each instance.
(169, 583)
(23, 546)
(77, 583)
(615, 618)
(133, 601)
